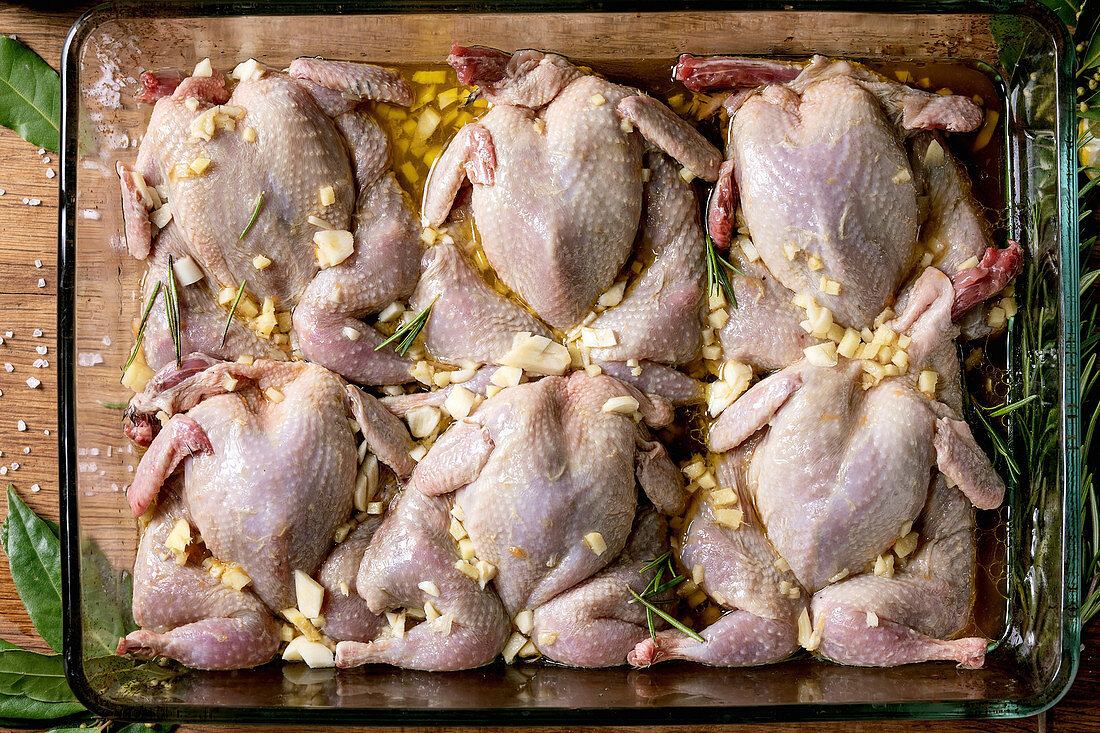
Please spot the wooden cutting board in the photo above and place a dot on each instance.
(29, 234)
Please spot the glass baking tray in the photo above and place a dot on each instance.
(1022, 48)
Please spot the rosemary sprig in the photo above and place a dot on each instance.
(255, 214)
(672, 621)
(662, 564)
(141, 326)
(717, 279)
(113, 405)
(236, 301)
(172, 306)
(408, 331)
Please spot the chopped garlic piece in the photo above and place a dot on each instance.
(160, 218)
(830, 287)
(707, 481)
(872, 619)
(595, 542)
(249, 70)
(180, 536)
(839, 576)
(791, 250)
(537, 354)
(902, 176)
(547, 638)
(686, 175)
(933, 154)
(466, 549)
(459, 403)
(717, 319)
(260, 262)
(996, 317)
(525, 621)
(884, 566)
(969, 263)
(506, 376)
(849, 343)
(310, 594)
(594, 338)
(597, 100)
(622, 404)
(313, 653)
(697, 574)
(821, 355)
(486, 571)
(274, 395)
(815, 262)
(515, 642)
(613, 295)
(456, 530)
(198, 166)
(351, 334)
(905, 545)
(376, 507)
(333, 246)
(417, 454)
(423, 420)
(366, 483)
(724, 496)
(203, 69)
(249, 135)
(235, 577)
(186, 271)
(730, 518)
(782, 565)
(464, 567)
(326, 195)
(808, 638)
(429, 587)
(926, 382)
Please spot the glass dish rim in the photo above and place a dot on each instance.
(181, 712)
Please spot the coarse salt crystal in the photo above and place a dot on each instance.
(41, 282)
(26, 450)
(50, 173)
(90, 214)
(20, 426)
(33, 383)
(9, 368)
(37, 333)
(38, 264)
(41, 350)
(3, 470)
(35, 488)
(34, 202)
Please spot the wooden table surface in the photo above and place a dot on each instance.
(29, 233)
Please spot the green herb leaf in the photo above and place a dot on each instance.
(106, 598)
(18, 709)
(717, 279)
(409, 331)
(141, 327)
(255, 214)
(34, 553)
(113, 405)
(39, 677)
(672, 621)
(229, 321)
(30, 95)
(172, 306)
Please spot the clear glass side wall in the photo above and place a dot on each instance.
(1040, 646)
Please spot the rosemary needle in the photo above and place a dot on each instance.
(672, 621)
(717, 279)
(229, 321)
(141, 326)
(255, 214)
(408, 331)
(172, 306)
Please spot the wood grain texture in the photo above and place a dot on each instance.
(28, 233)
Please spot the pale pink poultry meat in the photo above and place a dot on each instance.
(742, 573)
(283, 137)
(556, 171)
(814, 158)
(268, 464)
(410, 564)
